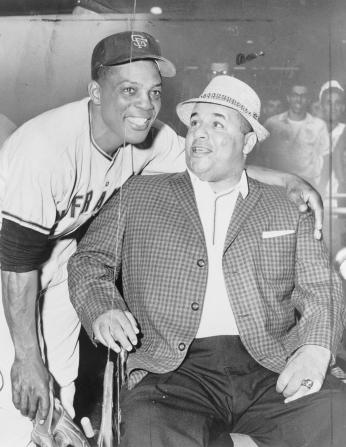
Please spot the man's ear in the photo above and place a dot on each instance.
(94, 91)
(250, 141)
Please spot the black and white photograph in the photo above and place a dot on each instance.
(173, 223)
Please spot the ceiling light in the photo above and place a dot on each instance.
(156, 10)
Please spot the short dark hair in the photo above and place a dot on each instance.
(297, 83)
(100, 72)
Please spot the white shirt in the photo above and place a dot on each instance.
(297, 146)
(333, 184)
(336, 133)
(215, 211)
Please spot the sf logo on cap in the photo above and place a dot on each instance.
(139, 41)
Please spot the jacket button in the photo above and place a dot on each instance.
(194, 306)
(181, 346)
(201, 262)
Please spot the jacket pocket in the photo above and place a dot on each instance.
(277, 257)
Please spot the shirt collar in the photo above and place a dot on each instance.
(241, 187)
(284, 117)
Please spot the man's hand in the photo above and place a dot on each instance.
(305, 197)
(116, 329)
(30, 387)
(308, 362)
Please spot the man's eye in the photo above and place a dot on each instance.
(218, 125)
(156, 93)
(193, 123)
(129, 90)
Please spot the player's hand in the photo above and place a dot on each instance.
(306, 197)
(308, 362)
(116, 329)
(30, 387)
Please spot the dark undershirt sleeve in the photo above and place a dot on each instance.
(22, 249)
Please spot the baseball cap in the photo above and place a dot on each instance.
(230, 92)
(121, 48)
(328, 85)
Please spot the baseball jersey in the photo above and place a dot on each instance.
(54, 177)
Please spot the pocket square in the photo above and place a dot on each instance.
(276, 233)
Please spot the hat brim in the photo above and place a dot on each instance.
(184, 110)
(166, 67)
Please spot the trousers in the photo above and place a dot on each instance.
(220, 389)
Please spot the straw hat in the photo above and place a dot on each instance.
(229, 92)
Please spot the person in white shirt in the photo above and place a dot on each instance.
(298, 141)
(332, 100)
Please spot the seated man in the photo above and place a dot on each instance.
(228, 306)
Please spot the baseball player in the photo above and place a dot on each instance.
(56, 171)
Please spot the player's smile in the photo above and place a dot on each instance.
(138, 123)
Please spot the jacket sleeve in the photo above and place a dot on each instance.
(94, 270)
(317, 295)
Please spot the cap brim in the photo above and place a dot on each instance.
(184, 110)
(166, 67)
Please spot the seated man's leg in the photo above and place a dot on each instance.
(317, 420)
(167, 410)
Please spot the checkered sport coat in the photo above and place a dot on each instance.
(282, 290)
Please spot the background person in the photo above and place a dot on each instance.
(298, 141)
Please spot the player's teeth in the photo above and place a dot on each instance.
(138, 121)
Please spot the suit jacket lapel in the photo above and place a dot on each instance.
(182, 188)
(241, 212)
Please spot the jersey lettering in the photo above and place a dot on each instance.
(61, 215)
(100, 201)
(87, 201)
(76, 203)
(83, 205)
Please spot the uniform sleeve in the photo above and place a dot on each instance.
(29, 197)
(318, 292)
(28, 202)
(22, 249)
(168, 152)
